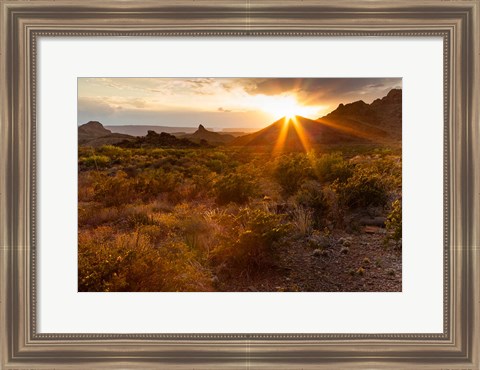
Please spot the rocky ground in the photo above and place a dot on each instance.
(341, 262)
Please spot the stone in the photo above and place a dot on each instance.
(317, 252)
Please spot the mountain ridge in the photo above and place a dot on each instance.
(380, 120)
(358, 122)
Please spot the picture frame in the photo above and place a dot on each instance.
(24, 22)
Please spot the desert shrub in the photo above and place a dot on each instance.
(363, 189)
(234, 187)
(394, 222)
(216, 165)
(220, 156)
(202, 183)
(311, 196)
(89, 215)
(194, 230)
(137, 219)
(331, 167)
(187, 222)
(130, 262)
(156, 234)
(114, 152)
(152, 182)
(95, 161)
(114, 190)
(86, 185)
(253, 239)
(302, 220)
(291, 171)
(389, 168)
(157, 153)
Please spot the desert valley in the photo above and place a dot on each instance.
(301, 205)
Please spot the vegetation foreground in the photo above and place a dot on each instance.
(238, 219)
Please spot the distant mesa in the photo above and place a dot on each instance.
(95, 135)
(211, 137)
(93, 128)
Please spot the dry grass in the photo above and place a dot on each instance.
(175, 220)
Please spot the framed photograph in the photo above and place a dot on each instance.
(237, 184)
(290, 203)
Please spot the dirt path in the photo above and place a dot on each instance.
(346, 263)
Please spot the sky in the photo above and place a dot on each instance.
(219, 102)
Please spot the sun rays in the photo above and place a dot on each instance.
(292, 126)
(302, 135)
(280, 143)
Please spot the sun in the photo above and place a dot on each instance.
(283, 106)
(286, 107)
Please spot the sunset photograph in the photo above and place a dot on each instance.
(239, 184)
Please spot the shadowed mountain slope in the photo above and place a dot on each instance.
(296, 133)
(379, 122)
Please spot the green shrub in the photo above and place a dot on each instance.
(311, 196)
(216, 165)
(257, 235)
(152, 182)
(234, 187)
(331, 167)
(291, 171)
(394, 222)
(363, 189)
(389, 168)
(95, 161)
(114, 152)
(138, 219)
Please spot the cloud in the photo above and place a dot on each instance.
(95, 106)
(273, 86)
(124, 99)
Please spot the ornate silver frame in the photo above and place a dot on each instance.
(23, 22)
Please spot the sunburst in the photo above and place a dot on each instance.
(292, 123)
(284, 106)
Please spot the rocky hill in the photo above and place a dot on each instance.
(94, 134)
(162, 140)
(379, 121)
(211, 137)
(142, 130)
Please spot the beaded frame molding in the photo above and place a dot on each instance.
(24, 22)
